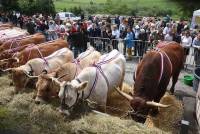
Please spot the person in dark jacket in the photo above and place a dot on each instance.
(30, 26)
(142, 45)
(77, 41)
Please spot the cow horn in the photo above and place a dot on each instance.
(32, 77)
(152, 103)
(6, 70)
(127, 96)
(55, 80)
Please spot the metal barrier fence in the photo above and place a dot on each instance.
(139, 48)
(106, 45)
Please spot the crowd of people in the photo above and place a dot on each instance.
(101, 32)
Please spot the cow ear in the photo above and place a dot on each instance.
(81, 86)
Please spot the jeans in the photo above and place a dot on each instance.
(77, 51)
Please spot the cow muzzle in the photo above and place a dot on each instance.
(39, 100)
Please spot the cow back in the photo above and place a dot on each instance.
(13, 43)
(40, 51)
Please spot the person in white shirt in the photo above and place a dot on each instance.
(166, 29)
(52, 30)
(169, 36)
(115, 36)
(196, 45)
(186, 42)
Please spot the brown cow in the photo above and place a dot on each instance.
(6, 26)
(39, 51)
(7, 54)
(152, 78)
(13, 43)
(46, 89)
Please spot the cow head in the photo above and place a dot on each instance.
(46, 88)
(8, 63)
(70, 92)
(140, 106)
(20, 78)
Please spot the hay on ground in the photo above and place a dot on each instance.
(118, 102)
(21, 116)
(168, 118)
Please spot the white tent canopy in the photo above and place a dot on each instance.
(196, 18)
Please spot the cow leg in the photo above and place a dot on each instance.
(174, 80)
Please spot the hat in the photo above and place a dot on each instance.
(142, 30)
(68, 25)
(137, 27)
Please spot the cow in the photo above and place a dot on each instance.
(5, 26)
(47, 89)
(152, 78)
(94, 83)
(13, 33)
(14, 43)
(23, 74)
(37, 51)
(7, 54)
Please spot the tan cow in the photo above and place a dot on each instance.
(22, 75)
(46, 89)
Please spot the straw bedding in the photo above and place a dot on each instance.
(19, 115)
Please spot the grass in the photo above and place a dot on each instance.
(162, 4)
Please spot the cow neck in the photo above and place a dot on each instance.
(13, 44)
(93, 85)
(41, 56)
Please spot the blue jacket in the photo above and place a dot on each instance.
(129, 40)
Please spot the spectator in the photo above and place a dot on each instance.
(169, 36)
(186, 42)
(196, 44)
(21, 21)
(115, 36)
(129, 42)
(136, 32)
(52, 31)
(30, 26)
(166, 29)
(142, 44)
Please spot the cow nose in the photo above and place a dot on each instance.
(37, 102)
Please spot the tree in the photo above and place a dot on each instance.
(9, 5)
(31, 7)
(188, 6)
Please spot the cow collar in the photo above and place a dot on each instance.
(31, 70)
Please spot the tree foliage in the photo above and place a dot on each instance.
(8, 5)
(29, 6)
(188, 6)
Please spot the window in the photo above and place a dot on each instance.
(72, 15)
(66, 15)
